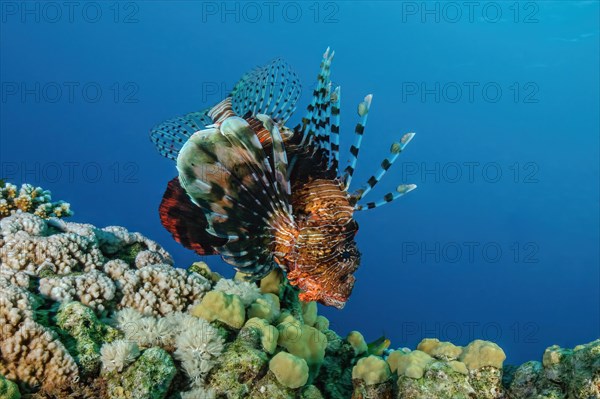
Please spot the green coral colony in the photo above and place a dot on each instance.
(91, 312)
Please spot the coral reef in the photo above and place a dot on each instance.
(101, 313)
(30, 199)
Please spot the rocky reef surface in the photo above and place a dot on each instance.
(90, 312)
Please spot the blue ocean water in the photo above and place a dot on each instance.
(501, 239)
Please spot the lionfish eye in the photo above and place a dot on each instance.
(346, 255)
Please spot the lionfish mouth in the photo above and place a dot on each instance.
(314, 291)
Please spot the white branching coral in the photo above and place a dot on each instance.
(118, 354)
(248, 292)
(29, 352)
(32, 199)
(16, 306)
(147, 258)
(26, 222)
(197, 349)
(72, 259)
(94, 289)
(30, 243)
(119, 274)
(116, 269)
(113, 239)
(162, 289)
(20, 279)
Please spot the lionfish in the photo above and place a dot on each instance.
(263, 195)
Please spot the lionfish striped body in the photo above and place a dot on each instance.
(263, 195)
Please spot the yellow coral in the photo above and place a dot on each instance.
(322, 323)
(411, 364)
(309, 312)
(266, 307)
(303, 341)
(30, 199)
(440, 350)
(289, 370)
(372, 370)
(217, 305)
(357, 341)
(23, 203)
(271, 282)
(480, 353)
(268, 333)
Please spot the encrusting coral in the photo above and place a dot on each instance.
(101, 313)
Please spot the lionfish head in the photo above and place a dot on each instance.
(325, 253)
(325, 265)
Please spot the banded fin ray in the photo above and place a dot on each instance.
(363, 112)
(389, 197)
(386, 164)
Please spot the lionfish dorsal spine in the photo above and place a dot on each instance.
(336, 99)
(318, 102)
(363, 112)
(386, 164)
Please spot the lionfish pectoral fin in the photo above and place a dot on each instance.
(170, 135)
(186, 221)
(273, 89)
(226, 172)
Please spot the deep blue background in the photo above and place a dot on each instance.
(169, 58)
